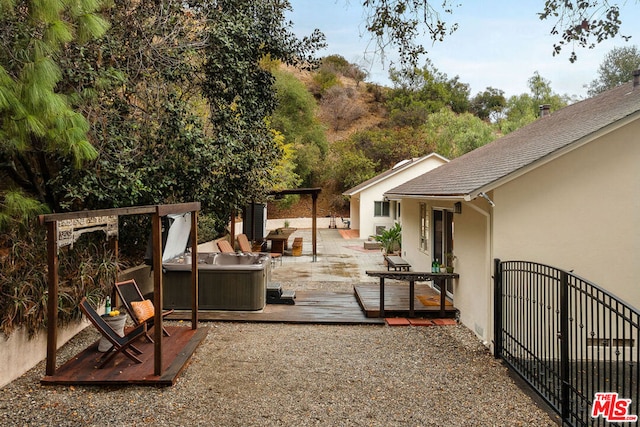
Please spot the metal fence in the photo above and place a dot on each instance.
(568, 339)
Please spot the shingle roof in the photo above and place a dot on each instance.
(484, 166)
(397, 168)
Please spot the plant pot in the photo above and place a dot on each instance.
(449, 269)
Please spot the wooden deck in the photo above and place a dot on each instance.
(176, 352)
(396, 301)
(312, 306)
(338, 308)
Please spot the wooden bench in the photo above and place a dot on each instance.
(397, 263)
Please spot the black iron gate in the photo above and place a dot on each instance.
(568, 339)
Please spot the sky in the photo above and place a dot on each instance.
(499, 44)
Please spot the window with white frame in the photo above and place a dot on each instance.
(381, 209)
(424, 227)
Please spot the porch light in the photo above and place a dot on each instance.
(457, 207)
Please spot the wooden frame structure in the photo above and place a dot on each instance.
(64, 228)
(314, 211)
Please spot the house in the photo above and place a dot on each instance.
(370, 212)
(562, 191)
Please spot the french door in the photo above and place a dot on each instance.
(443, 240)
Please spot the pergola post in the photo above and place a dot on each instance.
(52, 297)
(194, 270)
(314, 224)
(157, 292)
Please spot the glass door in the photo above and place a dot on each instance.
(443, 240)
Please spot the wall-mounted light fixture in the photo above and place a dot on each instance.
(457, 207)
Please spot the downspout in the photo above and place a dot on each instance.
(488, 214)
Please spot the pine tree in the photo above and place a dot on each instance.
(39, 127)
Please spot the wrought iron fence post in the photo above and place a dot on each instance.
(564, 345)
(497, 308)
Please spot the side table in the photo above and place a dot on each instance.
(117, 324)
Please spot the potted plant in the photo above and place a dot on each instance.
(391, 239)
(450, 259)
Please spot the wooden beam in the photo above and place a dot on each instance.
(164, 210)
(134, 210)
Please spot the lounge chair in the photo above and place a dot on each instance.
(225, 246)
(245, 246)
(130, 295)
(120, 344)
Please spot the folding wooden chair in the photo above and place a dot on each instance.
(225, 246)
(119, 344)
(129, 293)
(245, 246)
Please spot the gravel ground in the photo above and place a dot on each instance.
(252, 374)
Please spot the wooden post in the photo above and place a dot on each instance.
(52, 298)
(194, 269)
(157, 292)
(314, 223)
(232, 227)
(381, 297)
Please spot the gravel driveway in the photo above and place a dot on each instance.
(252, 374)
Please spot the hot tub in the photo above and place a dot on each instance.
(226, 281)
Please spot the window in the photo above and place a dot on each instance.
(424, 227)
(381, 209)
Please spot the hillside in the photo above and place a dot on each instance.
(370, 113)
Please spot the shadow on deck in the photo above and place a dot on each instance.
(177, 350)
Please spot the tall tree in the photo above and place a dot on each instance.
(418, 92)
(38, 124)
(525, 108)
(488, 104)
(239, 89)
(616, 68)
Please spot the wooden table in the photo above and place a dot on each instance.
(412, 277)
(280, 239)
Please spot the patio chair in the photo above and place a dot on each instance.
(245, 246)
(130, 295)
(225, 246)
(346, 222)
(120, 344)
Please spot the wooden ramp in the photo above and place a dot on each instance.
(176, 352)
(396, 301)
(311, 306)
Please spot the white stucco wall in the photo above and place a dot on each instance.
(580, 212)
(364, 219)
(472, 293)
(19, 353)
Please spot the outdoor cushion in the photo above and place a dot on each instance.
(143, 309)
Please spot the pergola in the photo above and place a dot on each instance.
(314, 210)
(64, 228)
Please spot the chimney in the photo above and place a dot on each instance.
(545, 110)
(636, 78)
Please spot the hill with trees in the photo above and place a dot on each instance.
(369, 128)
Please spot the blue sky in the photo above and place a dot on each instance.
(498, 43)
